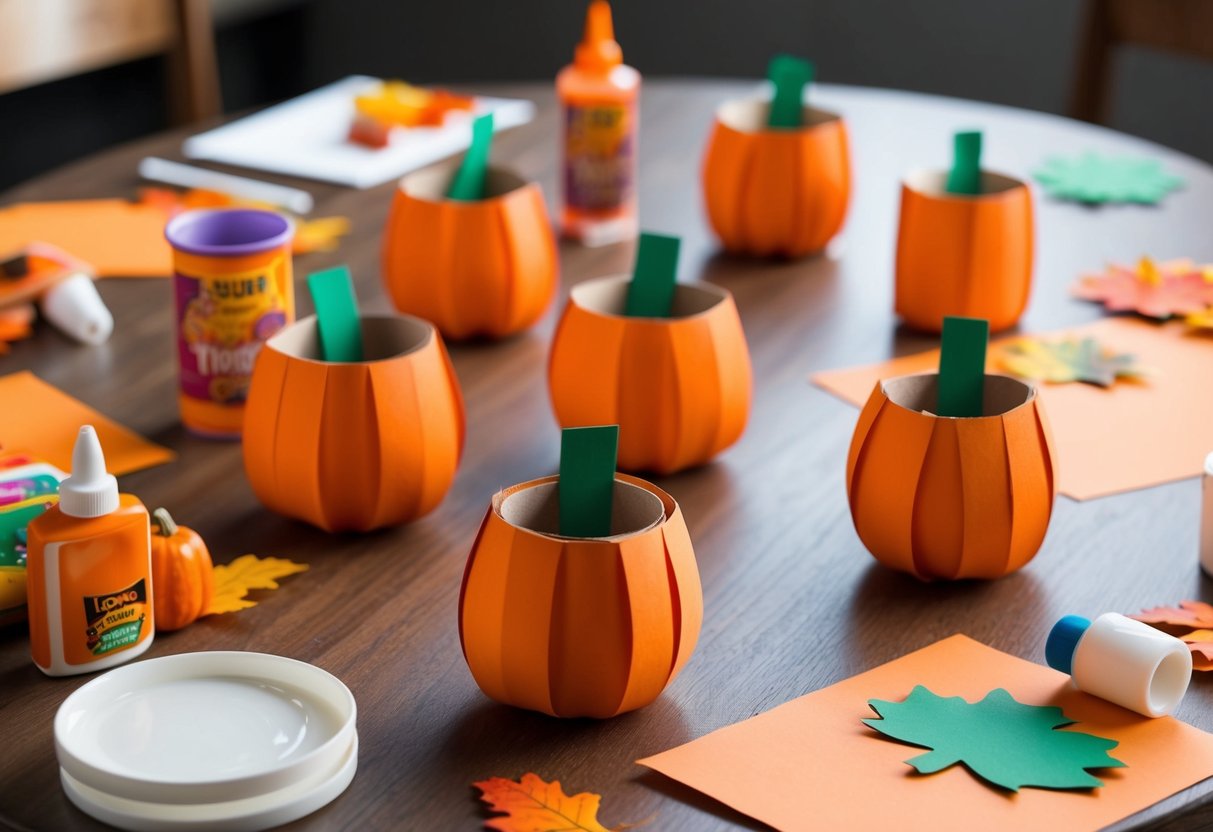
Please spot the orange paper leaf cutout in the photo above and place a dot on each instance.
(1192, 623)
(533, 805)
(235, 580)
(1155, 290)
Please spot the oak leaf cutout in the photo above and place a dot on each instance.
(1155, 290)
(234, 581)
(1094, 179)
(1004, 742)
(1191, 622)
(534, 805)
(1068, 360)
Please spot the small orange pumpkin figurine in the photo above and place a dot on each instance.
(678, 387)
(949, 498)
(579, 626)
(775, 191)
(183, 578)
(473, 268)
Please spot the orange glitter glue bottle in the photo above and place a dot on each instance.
(89, 568)
(598, 94)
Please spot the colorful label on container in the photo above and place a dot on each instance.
(599, 156)
(222, 321)
(115, 620)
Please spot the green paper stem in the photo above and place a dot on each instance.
(651, 291)
(336, 314)
(790, 76)
(962, 367)
(587, 480)
(469, 181)
(965, 175)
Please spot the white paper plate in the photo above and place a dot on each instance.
(221, 740)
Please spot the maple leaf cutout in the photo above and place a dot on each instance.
(1161, 290)
(235, 580)
(1004, 742)
(1068, 360)
(533, 805)
(1096, 179)
(1191, 622)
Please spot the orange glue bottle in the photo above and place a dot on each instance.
(89, 570)
(598, 95)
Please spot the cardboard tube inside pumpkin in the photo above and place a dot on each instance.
(951, 497)
(359, 445)
(678, 387)
(963, 255)
(473, 268)
(781, 191)
(579, 626)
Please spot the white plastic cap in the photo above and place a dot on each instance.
(75, 307)
(89, 491)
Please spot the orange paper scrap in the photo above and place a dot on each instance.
(1109, 440)
(117, 238)
(42, 421)
(812, 764)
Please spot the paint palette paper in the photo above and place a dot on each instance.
(308, 136)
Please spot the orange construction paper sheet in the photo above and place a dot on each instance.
(117, 238)
(1131, 435)
(811, 763)
(42, 421)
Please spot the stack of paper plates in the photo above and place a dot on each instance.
(222, 741)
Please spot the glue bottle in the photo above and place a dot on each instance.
(1122, 660)
(598, 95)
(88, 568)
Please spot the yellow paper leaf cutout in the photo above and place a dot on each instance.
(234, 581)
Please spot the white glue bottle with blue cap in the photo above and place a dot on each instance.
(1122, 660)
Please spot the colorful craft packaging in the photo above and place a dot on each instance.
(777, 185)
(354, 444)
(473, 254)
(963, 253)
(234, 290)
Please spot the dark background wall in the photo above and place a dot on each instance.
(1020, 53)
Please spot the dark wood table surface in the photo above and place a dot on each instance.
(792, 600)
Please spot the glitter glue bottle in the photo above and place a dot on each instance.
(598, 95)
(89, 565)
(1122, 660)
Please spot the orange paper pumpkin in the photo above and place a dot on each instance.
(579, 626)
(951, 497)
(183, 578)
(963, 255)
(359, 445)
(483, 268)
(775, 191)
(678, 387)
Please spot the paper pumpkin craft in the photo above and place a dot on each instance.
(1067, 360)
(1155, 290)
(531, 803)
(1096, 179)
(1004, 742)
(776, 176)
(1191, 622)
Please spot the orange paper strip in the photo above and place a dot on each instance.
(117, 238)
(812, 764)
(1148, 433)
(41, 420)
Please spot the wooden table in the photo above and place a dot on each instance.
(792, 602)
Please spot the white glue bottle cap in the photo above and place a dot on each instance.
(74, 306)
(1122, 660)
(89, 491)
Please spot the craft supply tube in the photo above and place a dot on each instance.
(1122, 660)
(1206, 518)
(185, 176)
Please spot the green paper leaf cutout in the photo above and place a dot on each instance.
(789, 75)
(962, 367)
(965, 175)
(1006, 743)
(1095, 179)
(336, 314)
(1069, 360)
(651, 290)
(587, 480)
(469, 181)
